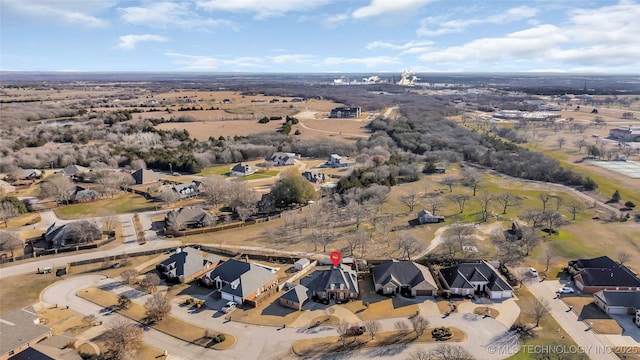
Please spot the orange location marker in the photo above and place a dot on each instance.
(336, 257)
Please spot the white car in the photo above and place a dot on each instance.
(229, 307)
(533, 272)
(565, 290)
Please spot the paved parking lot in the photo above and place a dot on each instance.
(628, 168)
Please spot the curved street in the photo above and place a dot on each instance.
(260, 342)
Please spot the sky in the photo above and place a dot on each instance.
(312, 36)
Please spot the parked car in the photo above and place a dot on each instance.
(229, 307)
(565, 290)
(533, 272)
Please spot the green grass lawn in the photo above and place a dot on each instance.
(223, 170)
(261, 175)
(118, 205)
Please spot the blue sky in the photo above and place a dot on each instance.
(321, 35)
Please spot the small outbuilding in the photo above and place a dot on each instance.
(301, 264)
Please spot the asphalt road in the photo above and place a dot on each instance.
(265, 342)
(592, 344)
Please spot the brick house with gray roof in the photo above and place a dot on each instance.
(339, 283)
(475, 279)
(19, 330)
(187, 264)
(403, 277)
(295, 297)
(602, 273)
(241, 282)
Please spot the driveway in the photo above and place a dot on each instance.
(596, 346)
(266, 342)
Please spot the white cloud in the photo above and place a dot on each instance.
(293, 58)
(68, 12)
(262, 8)
(369, 62)
(600, 39)
(167, 15)
(199, 62)
(130, 41)
(335, 20)
(459, 25)
(383, 7)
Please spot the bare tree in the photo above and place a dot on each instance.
(450, 352)
(213, 187)
(435, 204)
(244, 212)
(343, 329)
(575, 207)
(484, 201)
(10, 241)
(544, 197)
(533, 216)
(419, 324)
(472, 179)
(457, 239)
(409, 245)
(123, 339)
(372, 327)
(449, 181)
(530, 238)
(410, 199)
(537, 309)
(128, 276)
(420, 354)
(559, 201)
(522, 276)
(402, 327)
(150, 282)
(553, 219)
(548, 257)
(460, 199)
(507, 199)
(623, 257)
(239, 193)
(383, 226)
(7, 211)
(580, 143)
(58, 186)
(138, 164)
(110, 222)
(157, 307)
(358, 212)
(561, 141)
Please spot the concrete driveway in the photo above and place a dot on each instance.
(597, 347)
(266, 342)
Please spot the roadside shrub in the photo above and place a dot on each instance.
(629, 205)
(219, 338)
(441, 333)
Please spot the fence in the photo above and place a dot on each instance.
(298, 275)
(37, 252)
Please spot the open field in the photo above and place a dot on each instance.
(22, 290)
(119, 205)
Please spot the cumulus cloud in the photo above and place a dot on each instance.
(601, 39)
(67, 12)
(200, 62)
(262, 9)
(130, 41)
(167, 14)
(383, 7)
(445, 26)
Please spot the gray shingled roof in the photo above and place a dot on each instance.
(617, 275)
(322, 280)
(402, 273)
(630, 299)
(598, 262)
(18, 328)
(241, 278)
(188, 262)
(459, 276)
(142, 176)
(298, 293)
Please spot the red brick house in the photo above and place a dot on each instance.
(602, 273)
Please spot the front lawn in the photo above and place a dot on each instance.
(119, 205)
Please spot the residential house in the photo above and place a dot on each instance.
(73, 233)
(403, 277)
(82, 195)
(243, 169)
(295, 297)
(336, 161)
(282, 159)
(345, 112)
(619, 302)
(425, 217)
(626, 133)
(19, 330)
(187, 190)
(266, 202)
(74, 171)
(475, 279)
(144, 176)
(31, 174)
(314, 176)
(602, 273)
(6, 188)
(188, 217)
(187, 264)
(55, 347)
(241, 281)
(339, 283)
